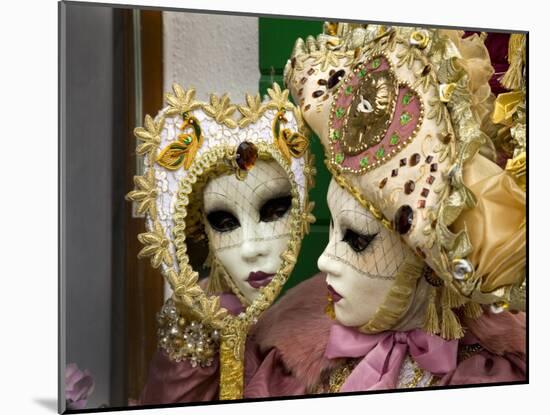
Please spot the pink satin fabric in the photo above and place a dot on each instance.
(383, 355)
(231, 303)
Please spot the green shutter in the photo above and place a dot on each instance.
(277, 38)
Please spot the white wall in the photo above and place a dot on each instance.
(212, 53)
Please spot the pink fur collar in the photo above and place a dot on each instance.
(298, 327)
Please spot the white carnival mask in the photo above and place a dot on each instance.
(242, 183)
(360, 260)
(248, 224)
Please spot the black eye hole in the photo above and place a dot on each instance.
(335, 78)
(357, 241)
(222, 220)
(275, 208)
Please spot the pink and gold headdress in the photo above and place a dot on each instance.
(394, 111)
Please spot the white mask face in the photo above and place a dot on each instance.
(360, 260)
(248, 224)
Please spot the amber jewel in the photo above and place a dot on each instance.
(335, 78)
(317, 94)
(403, 219)
(247, 154)
(414, 159)
(409, 187)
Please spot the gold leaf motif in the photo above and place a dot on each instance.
(221, 110)
(187, 288)
(211, 313)
(156, 246)
(252, 112)
(426, 77)
(328, 58)
(279, 98)
(145, 193)
(437, 111)
(408, 56)
(150, 135)
(181, 101)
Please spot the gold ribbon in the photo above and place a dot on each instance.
(513, 78)
(506, 105)
(517, 167)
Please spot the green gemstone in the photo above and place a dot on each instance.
(394, 139)
(405, 118)
(336, 135)
(339, 158)
(406, 99)
(340, 112)
(380, 153)
(348, 90)
(362, 73)
(187, 140)
(375, 63)
(364, 162)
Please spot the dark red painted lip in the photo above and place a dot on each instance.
(333, 294)
(259, 279)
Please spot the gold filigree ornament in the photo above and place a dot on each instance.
(187, 144)
(426, 132)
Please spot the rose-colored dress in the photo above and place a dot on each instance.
(294, 338)
(291, 352)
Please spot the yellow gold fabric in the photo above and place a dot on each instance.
(476, 62)
(517, 167)
(496, 226)
(505, 106)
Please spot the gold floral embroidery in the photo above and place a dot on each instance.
(221, 110)
(150, 135)
(252, 112)
(156, 246)
(145, 193)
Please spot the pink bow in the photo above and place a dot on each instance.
(384, 354)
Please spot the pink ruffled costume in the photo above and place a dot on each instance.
(294, 343)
